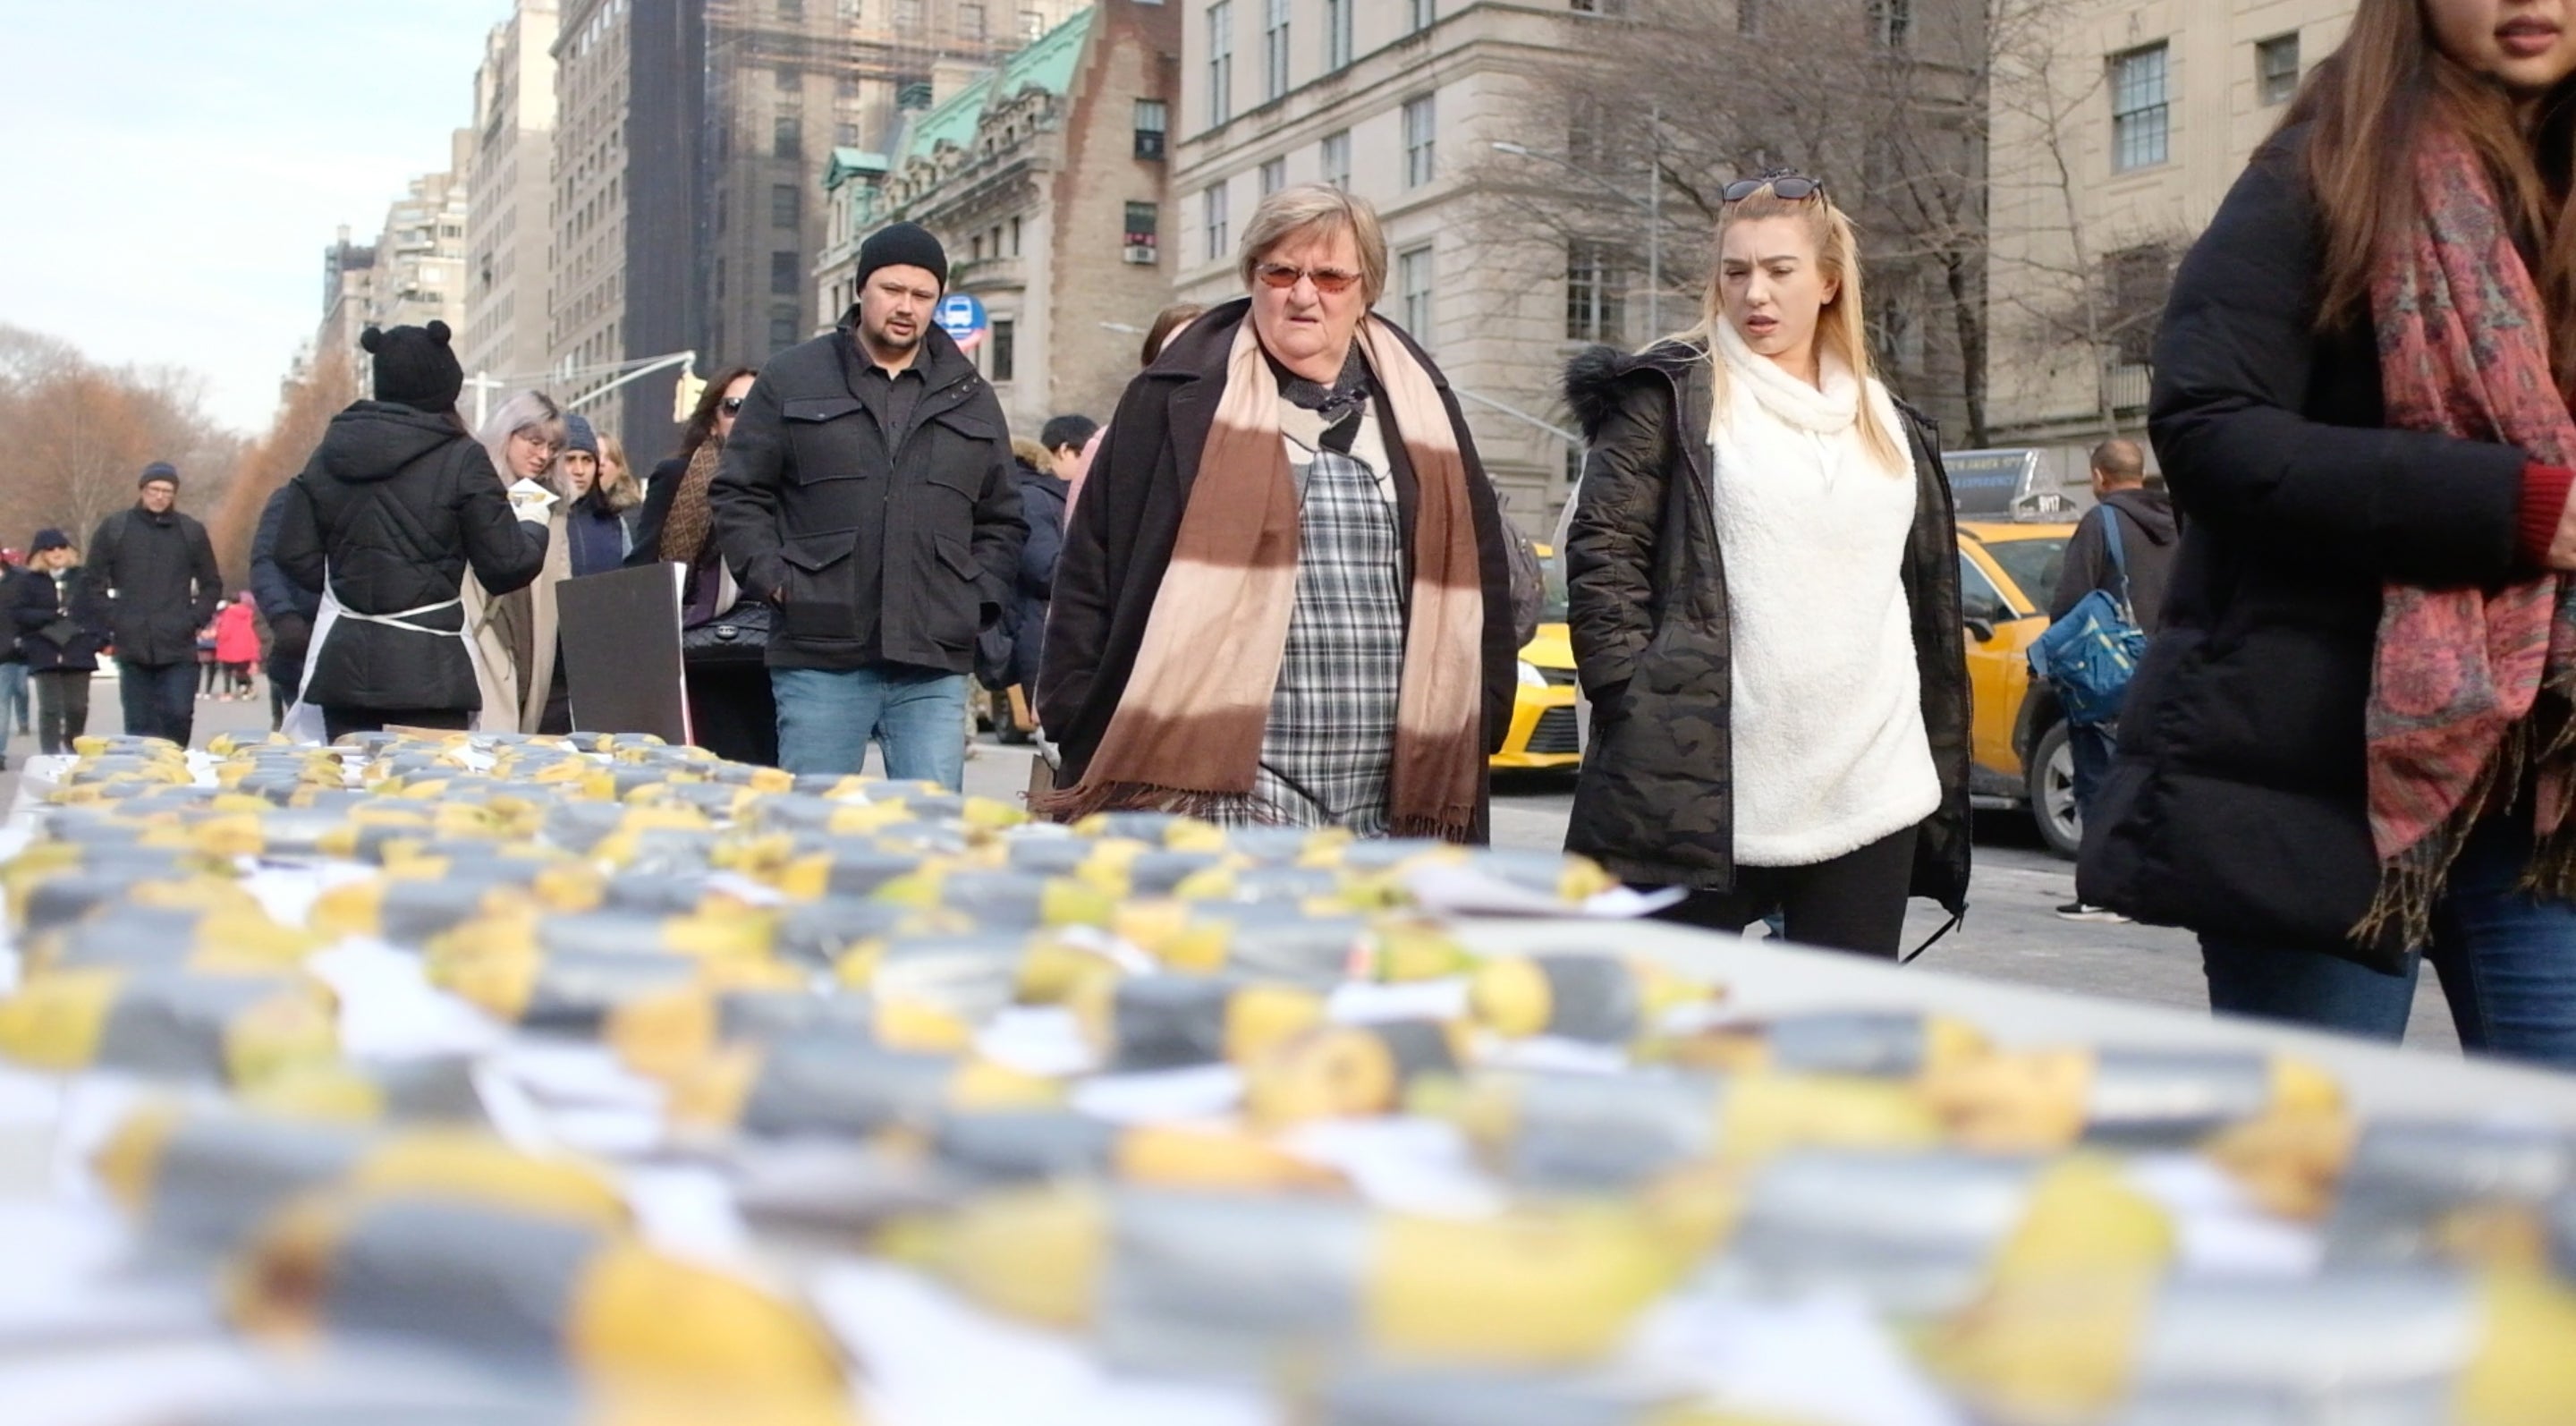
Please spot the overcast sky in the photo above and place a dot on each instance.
(174, 168)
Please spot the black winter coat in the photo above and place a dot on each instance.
(42, 603)
(288, 607)
(2236, 803)
(598, 536)
(1653, 642)
(895, 548)
(1119, 542)
(2149, 540)
(399, 503)
(161, 582)
(1042, 505)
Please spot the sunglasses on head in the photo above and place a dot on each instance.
(1326, 279)
(1787, 185)
(731, 405)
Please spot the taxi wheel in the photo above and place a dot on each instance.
(2051, 788)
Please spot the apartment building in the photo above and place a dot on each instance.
(1044, 179)
(506, 335)
(1400, 102)
(2154, 106)
(348, 295)
(603, 65)
(420, 256)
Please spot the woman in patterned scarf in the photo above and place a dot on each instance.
(1284, 598)
(731, 710)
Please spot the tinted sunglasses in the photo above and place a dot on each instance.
(731, 405)
(1787, 186)
(1326, 279)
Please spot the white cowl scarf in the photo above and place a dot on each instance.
(1826, 709)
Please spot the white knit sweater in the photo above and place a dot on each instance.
(1826, 708)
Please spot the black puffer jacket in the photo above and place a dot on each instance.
(59, 624)
(1042, 505)
(887, 546)
(161, 582)
(1654, 645)
(2237, 803)
(398, 503)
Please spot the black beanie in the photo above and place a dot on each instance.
(158, 470)
(415, 367)
(901, 245)
(49, 539)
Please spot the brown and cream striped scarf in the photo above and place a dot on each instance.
(1188, 728)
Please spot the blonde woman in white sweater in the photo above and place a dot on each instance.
(1763, 573)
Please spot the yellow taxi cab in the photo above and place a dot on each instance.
(2018, 752)
(1544, 730)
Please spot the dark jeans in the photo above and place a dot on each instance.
(2091, 743)
(1856, 902)
(337, 722)
(2507, 962)
(13, 697)
(160, 699)
(62, 708)
(284, 677)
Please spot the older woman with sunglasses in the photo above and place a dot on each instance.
(1283, 597)
(1765, 602)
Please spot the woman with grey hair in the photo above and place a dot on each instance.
(1284, 597)
(525, 436)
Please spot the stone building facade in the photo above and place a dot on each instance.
(508, 203)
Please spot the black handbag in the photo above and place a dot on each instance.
(738, 635)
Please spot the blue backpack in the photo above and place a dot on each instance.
(2090, 654)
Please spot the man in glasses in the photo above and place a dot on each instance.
(866, 491)
(158, 569)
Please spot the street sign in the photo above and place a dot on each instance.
(1986, 483)
(961, 315)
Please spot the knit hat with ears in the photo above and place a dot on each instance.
(415, 367)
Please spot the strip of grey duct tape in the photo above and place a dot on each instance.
(1200, 1284)
(1599, 1131)
(1912, 1234)
(2370, 1347)
(2172, 1098)
(1592, 998)
(1880, 1044)
(496, 1285)
(174, 1023)
(220, 1177)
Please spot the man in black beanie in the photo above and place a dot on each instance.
(158, 569)
(866, 491)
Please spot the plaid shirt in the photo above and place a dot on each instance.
(1330, 743)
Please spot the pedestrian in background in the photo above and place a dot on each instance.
(866, 493)
(2348, 748)
(1042, 472)
(61, 622)
(523, 436)
(13, 663)
(724, 631)
(158, 569)
(1166, 326)
(288, 607)
(237, 644)
(210, 674)
(1285, 597)
(596, 518)
(396, 505)
(625, 490)
(2149, 539)
(1763, 575)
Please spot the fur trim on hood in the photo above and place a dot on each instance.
(1594, 377)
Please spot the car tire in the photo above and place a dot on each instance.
(2050, 784)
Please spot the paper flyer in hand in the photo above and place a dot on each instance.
(530, 499)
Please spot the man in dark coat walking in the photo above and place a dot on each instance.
(2149, 538)
(159, 571)
(289, 608)
(866, 491)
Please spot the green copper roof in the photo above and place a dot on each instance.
(1048, 64)
(852, 163)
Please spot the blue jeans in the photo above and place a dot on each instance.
(2091, 745)
(915, 716)
(13, 698)
(2507, 962)
(160, 699)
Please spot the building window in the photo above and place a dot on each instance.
(1417, 15)
(1337, 159)
(1890, 21)
(791, 10)
(1413, 288)
(1220, 20)
(2276, 69)
(1337, 34)
(2135, 283)
(1152, 118)
(1274, 176)
(782, 332)
(907, 15)
(2138, 112)
(786, 274)
(1015, 237)
(788, 139)
(1005, 335)
(1274, 51)
(1143, 232)
(1601, 7)
(1032, 24)
(1212, 210)
(970, 19)
(1420, 121)
(1596, 294)
(785, 207)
